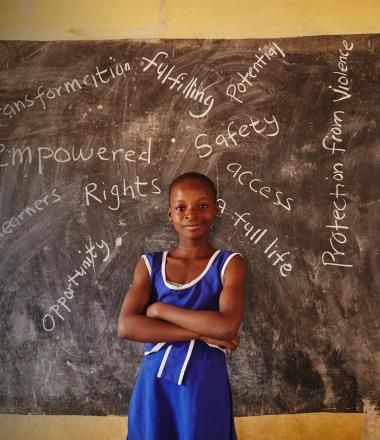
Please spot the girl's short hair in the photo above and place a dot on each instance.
(193, 175)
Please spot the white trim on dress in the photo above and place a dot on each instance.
(147, 264)
(225, 265)
(191, 283)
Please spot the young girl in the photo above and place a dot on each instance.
(186, 305)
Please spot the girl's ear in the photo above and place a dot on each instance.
(217, 209)
(170, 215)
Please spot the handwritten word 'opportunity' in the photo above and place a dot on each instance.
(61, 308)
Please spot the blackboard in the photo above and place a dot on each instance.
(92, 133)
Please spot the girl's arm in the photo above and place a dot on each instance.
(134, 325)
(223, 324)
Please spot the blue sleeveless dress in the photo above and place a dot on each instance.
(182, 390)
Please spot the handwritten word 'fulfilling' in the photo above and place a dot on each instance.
(254, 185)
(18, 155)
(93, 192)
(256, 234)
(267, 128)
(61, 308)
(189, 88)
(247, 80)
(11, 225)
(45, 94)
(334, 142)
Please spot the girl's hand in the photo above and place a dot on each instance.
(229, 344)
(153, 310)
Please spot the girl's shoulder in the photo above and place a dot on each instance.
(153, 261)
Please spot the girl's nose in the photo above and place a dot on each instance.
(191, 213)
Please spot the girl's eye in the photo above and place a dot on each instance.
(203, 206)
(180, 208)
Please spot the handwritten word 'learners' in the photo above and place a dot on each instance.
(15, 222)
(237, 89)
(43, 95)
(180, 82)
(267, 128)
(255, 185)
(255, 234)
(58, 310)
(95, 193)
(15, 156)
(334, 143)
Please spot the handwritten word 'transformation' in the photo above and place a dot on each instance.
(334, 142)
(45, 94)
(61, 308)
(189, 88)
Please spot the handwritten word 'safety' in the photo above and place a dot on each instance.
(267, 128)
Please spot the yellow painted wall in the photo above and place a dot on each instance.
(99, 19)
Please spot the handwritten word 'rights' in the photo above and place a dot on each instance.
(267, 128)
(95, 194)
(254, 70)
(180, 82)
(45, 94)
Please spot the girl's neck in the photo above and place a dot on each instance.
(193, 249)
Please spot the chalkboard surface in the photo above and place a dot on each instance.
(91, 135)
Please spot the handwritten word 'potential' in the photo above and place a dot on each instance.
(180, 82)
(61, 308)
(247, 80)
(45, 94)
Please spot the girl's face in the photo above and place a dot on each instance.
(192, 208)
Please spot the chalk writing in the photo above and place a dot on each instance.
(247, 80)
(190, 88)
(57, 311)
(95, 194)
(277, 197)
(15, 222)
(12, 156)
(333, 142)
(44, 94)
(267, 128)
(256, 234)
